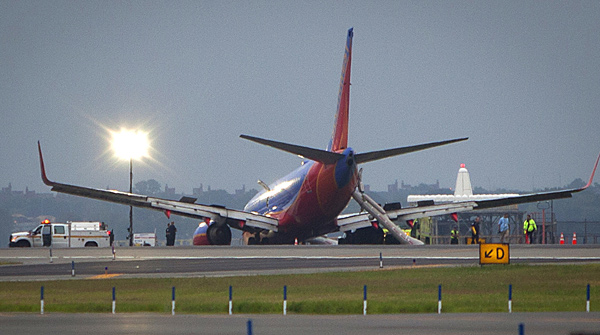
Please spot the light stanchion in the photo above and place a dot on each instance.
(42, 300)
(521, 329)
(173, 302)
(230, 301)
(510, 298)
(284, 299)
(440, 299)
(114, 303)
(365, 300)
(587, 303)
(249, 327)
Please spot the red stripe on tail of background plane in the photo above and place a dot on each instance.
(339, 139)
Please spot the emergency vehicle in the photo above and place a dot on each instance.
(64, 235)
(144, 239)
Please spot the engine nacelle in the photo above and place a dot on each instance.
(200, 237)
(212, 234)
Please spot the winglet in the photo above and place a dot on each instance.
(44, 178)
(593, 173)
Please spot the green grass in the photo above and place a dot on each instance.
(413, 290)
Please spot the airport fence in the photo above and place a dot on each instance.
(586, 232)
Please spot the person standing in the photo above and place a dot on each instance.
(529, 227)
(454, 235)
(111, 237)
(475, 230)
(503, 228)
(171, 233)
(168, 234)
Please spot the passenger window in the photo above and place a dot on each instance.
(59, 229)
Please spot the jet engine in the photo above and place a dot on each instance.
(212, 233)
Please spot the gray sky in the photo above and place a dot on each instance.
(520, 78)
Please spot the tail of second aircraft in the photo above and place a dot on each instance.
(339, 138)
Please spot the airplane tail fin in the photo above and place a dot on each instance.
(339, 138)
(463, 183)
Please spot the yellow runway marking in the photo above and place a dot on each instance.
(106, 276)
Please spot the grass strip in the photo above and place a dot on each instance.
(540, 288)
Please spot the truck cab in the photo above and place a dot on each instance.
(59, 235)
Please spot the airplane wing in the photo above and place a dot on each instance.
(387, 217)
(184, 207)
(533, 197)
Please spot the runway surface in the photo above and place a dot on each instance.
(431, 324)
(36, 264)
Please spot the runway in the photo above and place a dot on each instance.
(34, 264)
(433, 324)
(131, 262)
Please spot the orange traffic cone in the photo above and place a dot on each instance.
(574, 238)
(296, 241)
(562, 238)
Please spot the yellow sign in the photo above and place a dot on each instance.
(494, 253)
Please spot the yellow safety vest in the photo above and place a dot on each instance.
(529, 226)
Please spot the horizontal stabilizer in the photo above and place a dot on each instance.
(318, 155)
(376, 155)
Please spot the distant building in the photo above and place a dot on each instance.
(169, 190)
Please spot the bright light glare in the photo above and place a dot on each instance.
(130, 144)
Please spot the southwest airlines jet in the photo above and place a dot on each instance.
(306, 204)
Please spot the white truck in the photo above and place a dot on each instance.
(63, 235)
(144, 239)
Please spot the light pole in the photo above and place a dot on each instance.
(130, 207)
(130, 145)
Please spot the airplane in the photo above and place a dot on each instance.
(307, 203)
(462, 191)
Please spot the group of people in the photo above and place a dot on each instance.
(529, 227)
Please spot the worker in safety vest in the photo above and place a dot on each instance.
(415, 231)
(475, 230)
(529, 227)
(454, 235)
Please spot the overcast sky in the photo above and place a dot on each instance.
(520, 78)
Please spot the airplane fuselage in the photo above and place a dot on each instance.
(307, 201)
